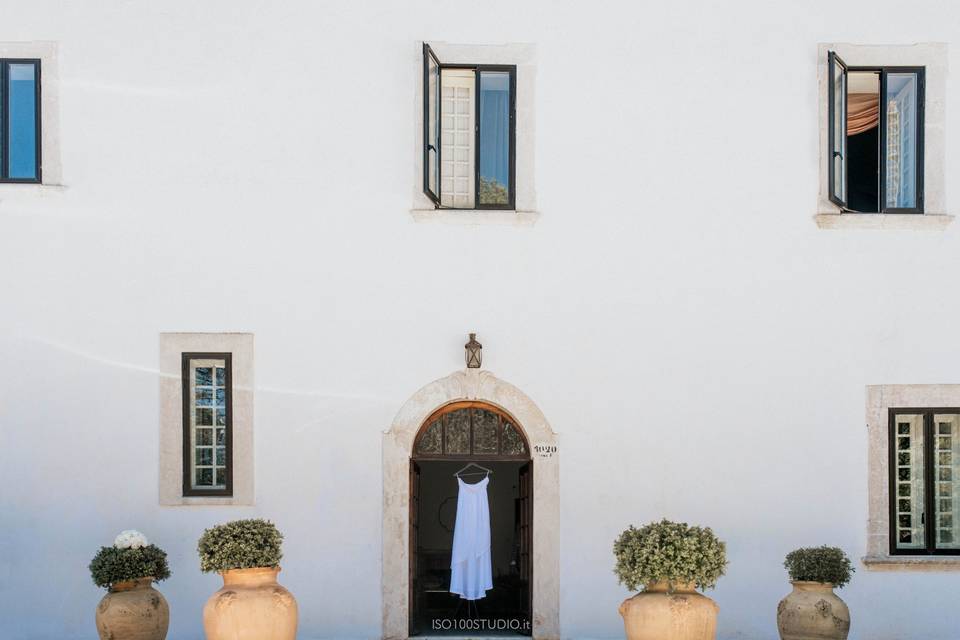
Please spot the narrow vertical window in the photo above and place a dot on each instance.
(20, 111)
(837, 129)
(469, 134)
(495, 138)
(924, 482)
(207, 421)
(946, 470)
(457, 151)
(909, 482)
(901, 114)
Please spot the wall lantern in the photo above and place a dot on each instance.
(473, 352)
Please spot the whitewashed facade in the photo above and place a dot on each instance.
(669, 302)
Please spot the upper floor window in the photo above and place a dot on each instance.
(19, 120)
(924, 481)
(207, 424)
(875, 148)
(469, 134)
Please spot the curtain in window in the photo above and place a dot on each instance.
(495, 132)
(494, 137)
(863, 112)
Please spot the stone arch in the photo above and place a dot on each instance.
(470, 384)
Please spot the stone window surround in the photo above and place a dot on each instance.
(172, 346)
(47, 53)
(880, 398)
(524, 56)
(469, 384)
(932, 56)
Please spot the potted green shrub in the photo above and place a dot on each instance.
(251, 605)
(670, 561)
(812, 610)
(132, 609)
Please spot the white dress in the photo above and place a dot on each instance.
(471, 573)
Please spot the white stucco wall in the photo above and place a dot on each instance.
(700, 345)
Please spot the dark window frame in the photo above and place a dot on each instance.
(428, 142)
(5, 121)
(185, 358)
(833, 63)
(833, 60)
(930, 548)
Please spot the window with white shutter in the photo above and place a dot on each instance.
(469, 134)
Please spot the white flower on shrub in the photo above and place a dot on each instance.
(130, 539)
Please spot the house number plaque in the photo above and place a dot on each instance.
(545, 450)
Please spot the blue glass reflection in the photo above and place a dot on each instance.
(494, 137)
(22, 130)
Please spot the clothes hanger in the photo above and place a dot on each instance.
(485, 472)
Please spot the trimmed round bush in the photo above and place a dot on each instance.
(241, 544)
(819, 564)
(671, 552)
(112, 565)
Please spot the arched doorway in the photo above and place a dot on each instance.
(398, 450)
(452, 438)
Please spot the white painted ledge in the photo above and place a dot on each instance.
(912, 563)
(909, 221)
(476, 217)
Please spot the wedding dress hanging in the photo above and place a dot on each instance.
(471, 573)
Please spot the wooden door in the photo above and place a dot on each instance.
(414, 578)
(526, 535)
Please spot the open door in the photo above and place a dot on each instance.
(414, 580)
(837, 130)
(526, 535)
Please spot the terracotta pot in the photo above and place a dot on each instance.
(251, 606)
(655, 614)
(812, 611)
(133, 610)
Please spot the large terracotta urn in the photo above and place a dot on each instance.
(133, 610)
(812, 611)
(656, 613)
(252, 605)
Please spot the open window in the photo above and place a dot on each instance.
(875, 146)
(469, 134)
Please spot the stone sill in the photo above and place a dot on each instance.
(910, 221)
(499, 217)
(207, 501)
(25, 191)
(912, 563)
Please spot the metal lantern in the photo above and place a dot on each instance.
(473, 351)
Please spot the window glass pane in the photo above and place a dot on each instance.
(457, 425)
(485, 426)
(457, 115)
(494, 137)
(22, 123)
(839, 151)
(908, 479)
(204, 393)
(433, 107)
(947, 479)
(430, 441)
(900, 154)
(512, 441)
